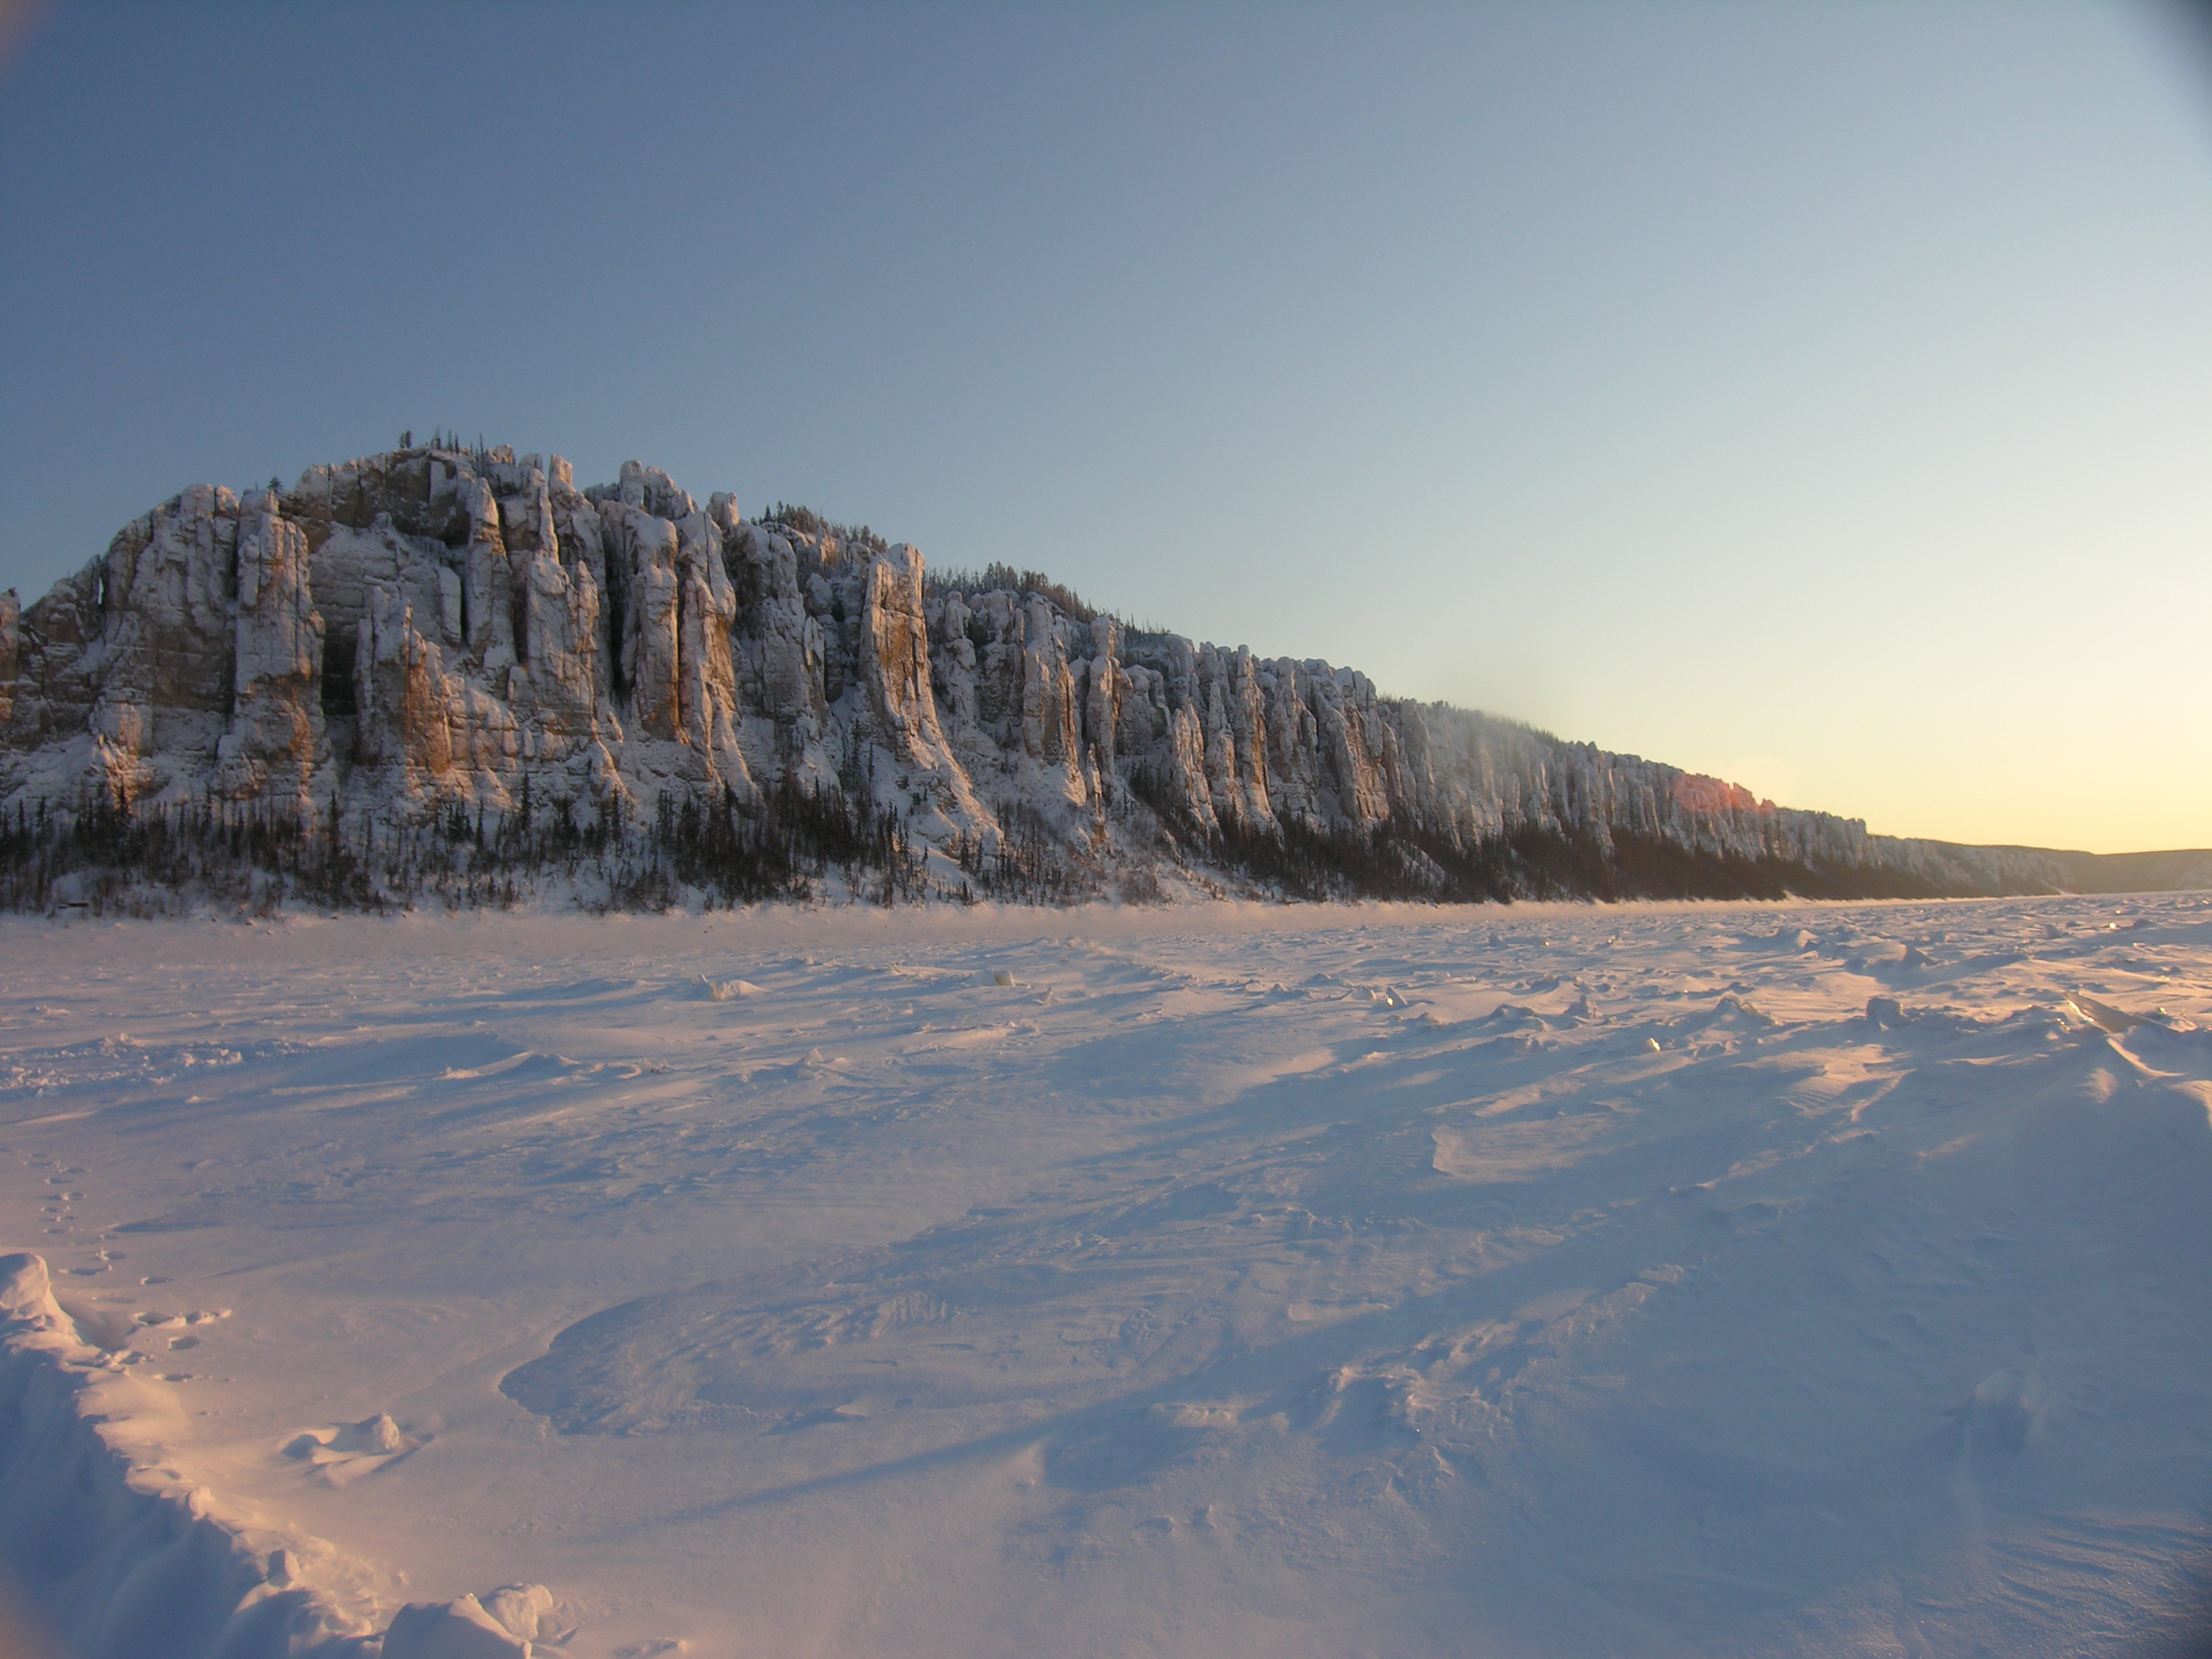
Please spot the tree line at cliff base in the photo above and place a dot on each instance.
(107, 854)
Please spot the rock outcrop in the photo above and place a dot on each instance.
(435, 627)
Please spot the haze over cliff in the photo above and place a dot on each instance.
(439, 627)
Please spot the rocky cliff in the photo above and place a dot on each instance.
(432, 627)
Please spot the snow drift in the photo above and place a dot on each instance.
(1245, 1280)
(127, 1562)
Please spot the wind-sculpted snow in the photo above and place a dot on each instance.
(122, 1557)
(435, 628)
(1754, 1279)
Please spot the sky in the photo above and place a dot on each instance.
(1815, 395)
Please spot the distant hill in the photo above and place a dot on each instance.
(2129, 872)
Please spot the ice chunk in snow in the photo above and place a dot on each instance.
(377, 1435)
(524, 1610)
(342, 1454)
(459, 1629)
(721, 990)
(373, 1434)
(26, 1293)
(1732, 1005)
(2103, 1015)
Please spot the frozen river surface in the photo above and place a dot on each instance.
(1543, 1281)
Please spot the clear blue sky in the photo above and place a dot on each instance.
(1819, 395)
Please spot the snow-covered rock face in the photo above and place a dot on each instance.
(434, 626)
(275, 736)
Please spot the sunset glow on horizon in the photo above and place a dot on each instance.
(1816, 398)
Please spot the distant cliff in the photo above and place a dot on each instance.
(436, 628)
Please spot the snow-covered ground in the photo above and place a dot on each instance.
(1552, 1280)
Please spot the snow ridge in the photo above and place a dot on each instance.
(127, 1558)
